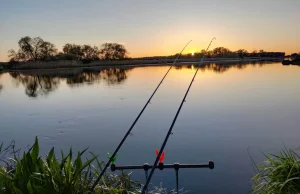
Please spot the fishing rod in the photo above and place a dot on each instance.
(113, 156)
(171, 127)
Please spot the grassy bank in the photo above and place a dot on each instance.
(132, 62)
(279, 174)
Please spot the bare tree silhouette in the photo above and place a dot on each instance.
(32, 49)
(113, 51)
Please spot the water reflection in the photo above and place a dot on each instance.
(114, 76)
(223, 67)
(111, 76)
(38, 83)
(43, 82)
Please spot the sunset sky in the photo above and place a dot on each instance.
(149, 28)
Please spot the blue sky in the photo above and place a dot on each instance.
(154, 27)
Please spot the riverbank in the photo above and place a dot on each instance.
(129, 63)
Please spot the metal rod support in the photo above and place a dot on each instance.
(175, 166)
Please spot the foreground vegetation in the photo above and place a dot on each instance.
(32, 174)
(279, 174)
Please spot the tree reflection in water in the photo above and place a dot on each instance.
(114, 76)
(223, 67)
(89, 76)
(82, 78)
(38, 83)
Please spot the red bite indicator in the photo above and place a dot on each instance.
(162, 157)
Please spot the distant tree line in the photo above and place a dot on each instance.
(222, 52)
(241, 53)
(295, 59)
(36, 49)
(295, 56)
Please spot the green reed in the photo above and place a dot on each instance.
(32, 174)
(278, 174)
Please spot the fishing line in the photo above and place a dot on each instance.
(172, 125)
(133, 124)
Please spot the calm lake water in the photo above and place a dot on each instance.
(229, 110)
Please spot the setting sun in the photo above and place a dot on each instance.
(193, 53)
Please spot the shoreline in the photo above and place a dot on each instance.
(62, 65)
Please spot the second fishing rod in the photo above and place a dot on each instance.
(172, 125)
(112, 157)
